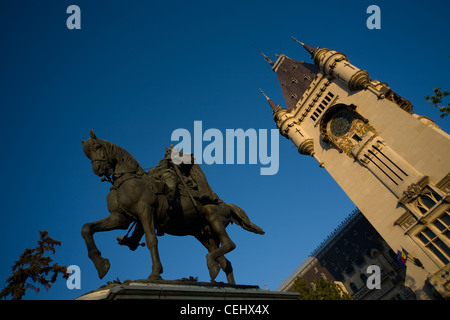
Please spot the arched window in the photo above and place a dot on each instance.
(363, 278)
(349, 270)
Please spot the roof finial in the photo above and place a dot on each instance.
(297, 41)
(264, 94)
(265, 57)
(310, 49)
(272, 104)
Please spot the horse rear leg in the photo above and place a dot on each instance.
(218, 223)
(217, 255)
(113, 221)
(212, 244)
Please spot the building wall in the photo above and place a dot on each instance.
(393, 164)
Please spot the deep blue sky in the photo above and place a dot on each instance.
(137, 70)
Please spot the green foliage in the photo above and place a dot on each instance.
(437, 98)
(323, 290)
(33, 265)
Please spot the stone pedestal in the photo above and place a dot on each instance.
(183, 290)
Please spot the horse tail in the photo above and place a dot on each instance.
(241, 219)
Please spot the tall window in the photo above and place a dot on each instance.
(354, 287)
(363, 278)
(427, 200)
(443, 224)
(436, 237)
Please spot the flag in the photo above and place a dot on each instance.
(402, 256)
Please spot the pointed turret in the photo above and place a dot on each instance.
(295, 78)
(275, 107)
(308, 48)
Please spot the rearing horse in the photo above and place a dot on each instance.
(135, 196)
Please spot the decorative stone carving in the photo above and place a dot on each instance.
(359, 80)
(358, 129)
(406, 221)
(307, 147)
(414, 190)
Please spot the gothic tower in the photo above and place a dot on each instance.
(393, 164)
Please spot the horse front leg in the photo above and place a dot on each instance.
(113, 221)
(148, 224)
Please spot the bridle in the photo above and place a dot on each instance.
(117, 176)
(104, 177)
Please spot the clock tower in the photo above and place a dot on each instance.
(393, 164)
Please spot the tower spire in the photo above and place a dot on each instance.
(272, 104)
(310, 49)
(265, 57)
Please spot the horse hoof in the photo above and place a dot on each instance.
(154, 277)
(213, 266)
(103, 268)
(214, 270)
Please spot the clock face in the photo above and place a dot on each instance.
(341, 123)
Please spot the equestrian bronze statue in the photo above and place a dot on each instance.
(173, 198)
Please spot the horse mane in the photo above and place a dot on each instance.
(121, 154)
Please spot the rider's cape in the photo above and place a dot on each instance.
(204, 192)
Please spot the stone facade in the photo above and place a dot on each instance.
(393, 164)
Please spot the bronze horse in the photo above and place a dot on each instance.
(136, 196)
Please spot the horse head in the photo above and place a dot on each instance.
(97, 151)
